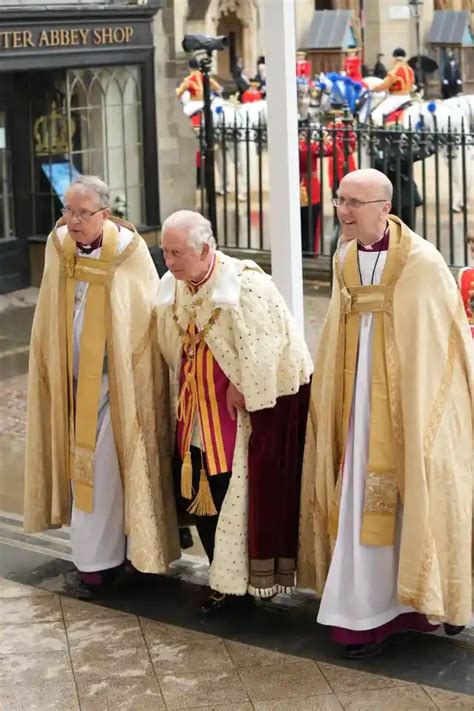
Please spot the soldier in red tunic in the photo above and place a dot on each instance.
(194, 83)
(341, 145)
(303, 66)
(310, 192)
(352, 68)
(399, 84)
(252, 94)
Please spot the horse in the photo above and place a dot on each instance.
(305, 97)
(465, 104)
(237, 118)
(440, 117)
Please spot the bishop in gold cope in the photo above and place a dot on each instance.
(97, 449)
(386, 504)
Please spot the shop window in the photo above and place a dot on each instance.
(87, 120)
(6, 194)
(106, 117)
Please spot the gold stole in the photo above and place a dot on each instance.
(84, 408)
(382, 476)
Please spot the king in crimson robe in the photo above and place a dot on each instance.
(98, 431)
(386, 505)
(237, 329)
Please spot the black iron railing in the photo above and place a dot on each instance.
(430, 172)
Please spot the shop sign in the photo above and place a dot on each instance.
(64, 37)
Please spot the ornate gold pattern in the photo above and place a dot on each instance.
(417, 596)
(395, 400)
(443, 391)
(83, 465)
(143, 345)
(190, 341)
(381, 493)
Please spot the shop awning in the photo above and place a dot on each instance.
(450, 28)
(330, 29)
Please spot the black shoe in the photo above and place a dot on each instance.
(128, 576)
(363, 651)
(216, 602)
(453, 630)
(82, 591)
(185, 538)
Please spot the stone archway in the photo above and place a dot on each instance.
(240, 20)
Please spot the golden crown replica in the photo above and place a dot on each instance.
(53, 133)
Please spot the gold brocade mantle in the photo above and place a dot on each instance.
(139, 404)
(429, 357)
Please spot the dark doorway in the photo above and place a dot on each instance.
(14, 184)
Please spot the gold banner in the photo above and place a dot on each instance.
(65, 37)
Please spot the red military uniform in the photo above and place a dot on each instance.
(307, 193)
(466, 284)
(352, 67)
(336, 149)
(310, 190)
(399, 80)
(194, 84)
(251, 94)
(303, 66)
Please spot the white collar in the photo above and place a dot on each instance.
(196, 284)
(125, 236)
(225, 290)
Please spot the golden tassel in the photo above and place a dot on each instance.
(187, 477)
(304, 198)
(203, 504)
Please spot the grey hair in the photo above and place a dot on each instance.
(198, 229)
(93, 184)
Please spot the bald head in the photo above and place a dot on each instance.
(365, 198)
(370, 181)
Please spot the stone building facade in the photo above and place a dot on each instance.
(87, 86)
(386, 24)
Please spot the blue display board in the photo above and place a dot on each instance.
(60, 175)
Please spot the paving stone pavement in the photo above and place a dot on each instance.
(61, 654)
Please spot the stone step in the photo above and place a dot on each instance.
(53, 543)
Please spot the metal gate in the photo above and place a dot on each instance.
(430, 173)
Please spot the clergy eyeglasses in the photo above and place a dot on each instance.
(82, 214)
(353, 203)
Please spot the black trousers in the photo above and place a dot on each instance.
(307, 236)
(219, 483)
